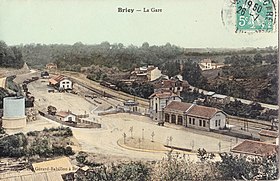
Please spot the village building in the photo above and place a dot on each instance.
(149, 73)
(175, 84)
(158, 101)
(208, 64)
(268, 136)
(255, 148)
(195, 116)
(51, 66)
(60, 82)
(212, 97)
(65, 116)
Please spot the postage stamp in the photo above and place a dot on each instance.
(255, 15)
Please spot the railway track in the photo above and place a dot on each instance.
(104, 91)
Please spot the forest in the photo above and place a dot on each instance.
(10, 56)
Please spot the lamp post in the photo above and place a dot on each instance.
(124, 136)
(142, 133)
(170, 139)
(131, 130)
(153, 134)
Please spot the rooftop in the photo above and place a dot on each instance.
(163, 95)
(63, 164)
(176, 105)
(256, 148)
(202, 111)
(210, 93)
(269, 133)
(206, 60)
(56, 79)
(219, 96)
(43, 176)
(62, 114)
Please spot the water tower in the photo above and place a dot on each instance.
(14, 112)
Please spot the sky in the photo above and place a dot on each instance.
(185, 23)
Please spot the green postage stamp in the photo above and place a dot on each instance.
(255, 15)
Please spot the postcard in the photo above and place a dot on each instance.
(140, 91)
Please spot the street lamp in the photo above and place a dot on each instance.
(124, 136)
(131, 130)
(170, 139)
(142, 133)
(153, 134)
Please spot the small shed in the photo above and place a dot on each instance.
(131, 105)
(66, 116)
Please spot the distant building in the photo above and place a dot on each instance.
(175, 84)
(214, 98)
(60, 82)
(194, 116)
(51, 66)
(66, 116)
(255, 148)
(158, 101)
(149, 73)
(208, 64)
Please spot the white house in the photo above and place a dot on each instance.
(158, 101)
(154, 74)
(66, 116)
(61, 82)
(207, 64)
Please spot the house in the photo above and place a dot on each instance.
(149, 73)
(51, 66)
(154, 74)
(194, 116)
(60, 82)
(214, 98)
(158, 101)
(208, 64)
(175, 84)
(65, 116)
(268, 136)
(255, 148)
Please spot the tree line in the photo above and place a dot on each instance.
(10, 56)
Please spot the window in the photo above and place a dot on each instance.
(204, 123)
(190, 120)
(193, 121)
(200, 122)
(216, 123)
(219, 122)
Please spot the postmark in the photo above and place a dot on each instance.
(255, 15)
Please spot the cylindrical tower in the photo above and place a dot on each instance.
(14, 113)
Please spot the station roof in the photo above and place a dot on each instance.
(256, 148)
